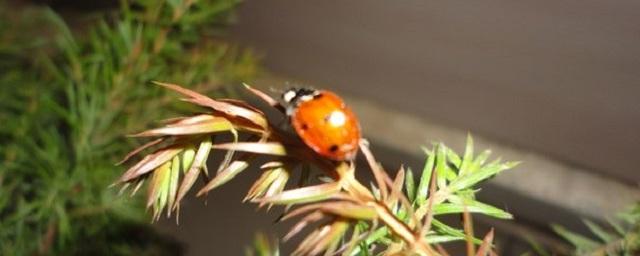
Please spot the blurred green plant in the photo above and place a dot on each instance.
(398, 216)
(620, 237)
(263, 246)
(68, 96)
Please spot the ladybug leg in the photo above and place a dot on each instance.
(350, 152)
(350, 163)
(363, 143)
(284, 123)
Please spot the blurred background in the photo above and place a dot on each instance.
(554, 84)
(559, 78)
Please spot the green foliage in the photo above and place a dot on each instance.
(620, 237)
(262, 246)
(347, 217)
(66, 99)
(446, 200)
(454, 192)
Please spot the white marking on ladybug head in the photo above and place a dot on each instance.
(306, 97)
(289, 95)
(337, 118)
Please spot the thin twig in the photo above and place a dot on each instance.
(468, 230)
(378, 173)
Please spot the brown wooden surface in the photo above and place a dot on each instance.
(558, 77)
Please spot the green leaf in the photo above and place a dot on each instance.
(187, 157)
(224, 176)
(599, 231)
(229, 155)
(269, 148)
(480, 160)
(396, 190)
(199, 161)
(344, 209)
(303, 195)
(139, 149)
(630, 216)
(277, 186)
(164, 189)
(442, 168)
(482, 174)
(376, 235)
(445, 229)
(425, 179)
(410, 185)
(325, 238)
(472, 207)
(225, 107)
(175, 4)
(262, 246)
(173, 184)
(582, 243)
(437, 239)
(193, 125)
(150, 162)
(454, 158)
(158, 188)
(352, 244)
(537, 247)
(617, 226)
(468, 157)
(262, 184)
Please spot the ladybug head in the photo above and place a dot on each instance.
(293, 96)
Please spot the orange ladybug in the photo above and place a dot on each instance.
(323, 122)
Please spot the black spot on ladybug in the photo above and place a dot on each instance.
(305, 126)
(317, 96)
(333, 148)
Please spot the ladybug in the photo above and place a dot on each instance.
(323, 122)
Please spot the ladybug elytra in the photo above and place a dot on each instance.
(323, 122)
